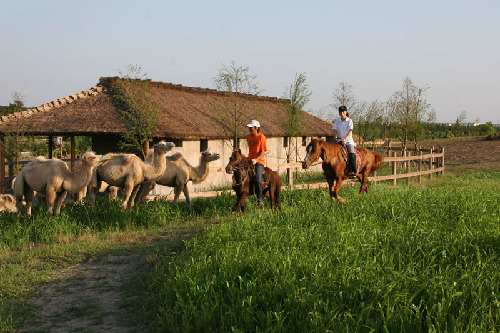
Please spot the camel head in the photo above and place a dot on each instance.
(206, 156)
(163, 147)
(90, 158)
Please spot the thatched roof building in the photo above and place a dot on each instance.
(186, 114)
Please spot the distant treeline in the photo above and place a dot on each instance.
(370, 131)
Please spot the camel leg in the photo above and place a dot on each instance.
(28, 197)
(177, 192)
(186, 194)
(93, 189)
(51, 197)
(127, 192)
(58, 202)
(131, 201)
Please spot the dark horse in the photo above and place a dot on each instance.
(334, 165)
(243, 181)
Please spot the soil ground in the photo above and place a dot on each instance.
(88, 297)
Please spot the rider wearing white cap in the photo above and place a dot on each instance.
(257, 147)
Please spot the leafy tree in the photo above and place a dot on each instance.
(137, 109)
(233, 112)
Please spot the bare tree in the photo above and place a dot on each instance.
(14, 139)
(459, 122)
(299, 95)
(137, 109)
(240, 86)
(343, 95)
(408, 108)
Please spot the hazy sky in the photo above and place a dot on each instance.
(52, 49)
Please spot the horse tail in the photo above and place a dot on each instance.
(378, 161)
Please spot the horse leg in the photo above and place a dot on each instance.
(338, 184)
(364, 184)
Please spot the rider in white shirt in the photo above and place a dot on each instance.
(343, 127)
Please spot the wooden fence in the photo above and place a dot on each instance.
(427, 161)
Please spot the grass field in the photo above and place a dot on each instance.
(408, 259)
(412, 259)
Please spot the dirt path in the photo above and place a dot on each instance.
(87, 297)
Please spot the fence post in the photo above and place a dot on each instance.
(420, 168)
(431, 162)
(408, 153)
(394, 168)
(442, 160)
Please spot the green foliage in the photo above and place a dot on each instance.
(449, 134)
(137, 108)
(402, 260)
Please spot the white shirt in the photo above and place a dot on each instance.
(343, 128)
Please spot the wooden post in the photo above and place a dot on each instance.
(289, 171)
(2, 161)
(431, 162)
(394, 168)
(408, 154)
(73, 154)
(420, 168)
(50, 146)
(442, 160)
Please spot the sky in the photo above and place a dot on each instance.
(51, 49)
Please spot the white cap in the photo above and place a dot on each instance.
(253, 123)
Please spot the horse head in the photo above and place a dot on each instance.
(313, 153)
(236, 160)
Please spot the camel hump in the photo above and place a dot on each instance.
(174, 157)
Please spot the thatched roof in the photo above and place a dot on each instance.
(186, 113)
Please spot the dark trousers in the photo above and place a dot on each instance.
(259, 171)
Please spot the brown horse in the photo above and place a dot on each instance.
(334, 165)
(243, 181)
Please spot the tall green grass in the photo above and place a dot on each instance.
(404, 259)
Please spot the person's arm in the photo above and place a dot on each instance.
(348, 134)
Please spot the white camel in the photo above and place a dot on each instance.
(127, 171)
(52, 179)
(178, 173)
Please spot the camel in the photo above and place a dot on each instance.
(7, 203)
(178, 173)
(127, 171)
(52, 179)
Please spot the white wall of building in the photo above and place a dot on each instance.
(277, 156)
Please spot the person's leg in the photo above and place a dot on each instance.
(352, 158)
(259, 170)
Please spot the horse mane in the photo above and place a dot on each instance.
(329, 150)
